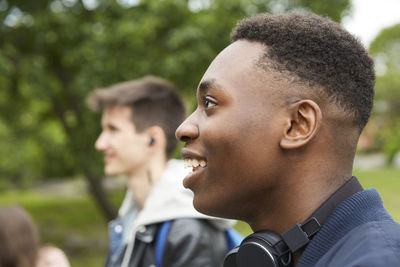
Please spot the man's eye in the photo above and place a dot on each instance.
(112, 128)
(208, 103)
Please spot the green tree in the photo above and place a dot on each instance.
(53, 52)
(386, 51)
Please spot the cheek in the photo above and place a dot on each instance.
(223, 132)
(243, 151)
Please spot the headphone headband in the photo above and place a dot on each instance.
(300, 234)
(269, 249)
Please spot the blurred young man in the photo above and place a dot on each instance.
(279, 114)
(139, 121)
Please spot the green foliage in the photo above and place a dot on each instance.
(333, 9)
(386, 51)
(54, 52)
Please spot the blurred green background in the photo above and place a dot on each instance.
(54, 52)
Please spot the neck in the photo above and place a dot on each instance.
(303, 191)
(301, 206)
(141, 182)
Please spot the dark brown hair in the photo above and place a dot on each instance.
(19, 238)
(154, 101)
(318, 51)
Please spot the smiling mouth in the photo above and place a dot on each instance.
(195, 164)
(108, 158)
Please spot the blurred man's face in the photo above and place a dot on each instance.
(233, 135)
(52, 257)
(125, 150)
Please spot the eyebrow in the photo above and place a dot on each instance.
(204, 86)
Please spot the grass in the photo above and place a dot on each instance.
(387, 182)
(76, 225)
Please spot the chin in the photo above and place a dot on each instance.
(211, 209)
(111, 172)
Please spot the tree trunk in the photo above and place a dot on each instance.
(97, 191)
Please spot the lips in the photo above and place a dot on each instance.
(196, 162)
(193, 159)
(108, 158)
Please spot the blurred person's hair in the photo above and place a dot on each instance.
(317, 51)
(19, 238)
(154, 101)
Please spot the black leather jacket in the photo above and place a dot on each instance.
(190, 243)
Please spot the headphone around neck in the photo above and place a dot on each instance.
(267, 248)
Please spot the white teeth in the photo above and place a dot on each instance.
(187, 163)
(193, 163)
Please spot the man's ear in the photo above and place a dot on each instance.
(302, 125)
(156, 136)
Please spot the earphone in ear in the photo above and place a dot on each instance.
(152, 141)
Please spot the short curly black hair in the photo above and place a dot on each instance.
(319, 51)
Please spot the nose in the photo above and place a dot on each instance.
(100, 143)
(188, 130)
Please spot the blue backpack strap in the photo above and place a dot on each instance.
(233, 238)
(161, 239)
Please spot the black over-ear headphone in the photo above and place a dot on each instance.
(269, 249)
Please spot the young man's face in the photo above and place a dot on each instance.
(235, 130)
(125, 150)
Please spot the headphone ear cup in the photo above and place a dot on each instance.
(263, 249)
(230, 258)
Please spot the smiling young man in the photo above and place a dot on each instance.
(279, 114)
(138, 138)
